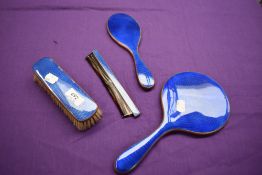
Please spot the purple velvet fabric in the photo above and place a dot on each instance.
(222, 39)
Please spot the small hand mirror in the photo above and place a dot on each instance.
(126, 32)
(193, 103)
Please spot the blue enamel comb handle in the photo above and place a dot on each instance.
(125, 31)
(116, 90)
(193, 103)
(73, 101)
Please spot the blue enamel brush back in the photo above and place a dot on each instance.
(74, 99)
(194, 102)
(125, 30)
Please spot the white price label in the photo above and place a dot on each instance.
(50, 78)
(74, 97)
(181, 106)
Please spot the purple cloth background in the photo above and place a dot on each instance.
(220, 38)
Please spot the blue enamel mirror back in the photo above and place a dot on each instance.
(192, 102)
(195, 103)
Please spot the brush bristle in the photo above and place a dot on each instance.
(80, 125)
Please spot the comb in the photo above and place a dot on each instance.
(118, 93)
(76, 104)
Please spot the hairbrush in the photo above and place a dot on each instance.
(120, 96)
(125, 31)
(191, 102)
(82, 111)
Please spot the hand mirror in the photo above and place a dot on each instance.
(191, 102)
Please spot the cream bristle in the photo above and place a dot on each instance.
(80, 125)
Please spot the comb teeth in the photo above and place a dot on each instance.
(118, 93)
(80, 125)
